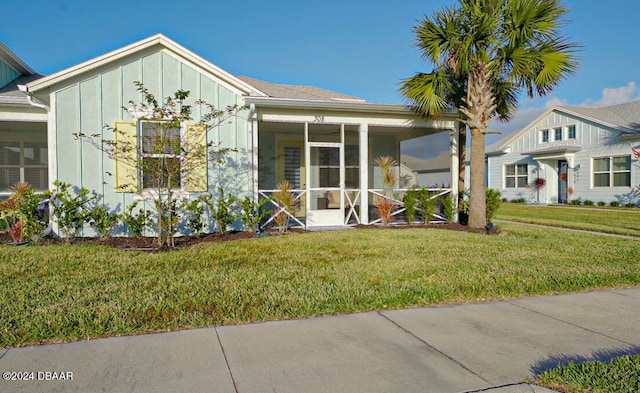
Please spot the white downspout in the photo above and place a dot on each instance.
(50, 169)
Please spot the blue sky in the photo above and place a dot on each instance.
(361, 48)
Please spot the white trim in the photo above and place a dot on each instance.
(13, 61)
(158, 39)
(364, 173)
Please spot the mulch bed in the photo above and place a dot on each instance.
(148, 243)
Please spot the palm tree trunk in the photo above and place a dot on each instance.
(477, 197)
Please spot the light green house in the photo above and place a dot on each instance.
(323, 142)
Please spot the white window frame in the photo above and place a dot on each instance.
(611, 172)
(515, 176)
(555, 134)
(575, 132)
(153, 190)
(542, 135)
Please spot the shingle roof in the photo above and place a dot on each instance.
(11, 95)
(296, 92)
(625, 115)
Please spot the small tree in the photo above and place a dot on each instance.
(287, 204)
(71, 210)
(161, 153)
(387, 204)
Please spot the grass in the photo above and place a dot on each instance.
(71, 292)
(620, 375)
(616, 221)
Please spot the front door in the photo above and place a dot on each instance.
(325, 173)
(562, 180)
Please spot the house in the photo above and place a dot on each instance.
(323, 142)
(574, 152)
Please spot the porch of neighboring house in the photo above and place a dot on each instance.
(23, 155)
(332, 169)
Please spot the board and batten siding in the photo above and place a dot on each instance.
(594, 140)
(98, 100)
(7, 74)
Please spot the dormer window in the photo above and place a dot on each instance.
(544, 136)
(557, 133)
(571, 132)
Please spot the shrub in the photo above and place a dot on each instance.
(253, 213)
(505, 200)
(601, 203)
(20, 214)
(447, 207)
(630, 204)
(287, 203)
(576, 201)
(588, 202)
(193, 213)
(385, 208)
(492, 202)
(224, 211)
(136, 222)
(102, 220)
(410, 200)
(426, 204)
(518, 200)
(614, 203)
(71, 212)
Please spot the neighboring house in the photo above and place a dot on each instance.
(323, 142)
(23, 127)
(579, 152)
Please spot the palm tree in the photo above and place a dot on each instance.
(493, 50)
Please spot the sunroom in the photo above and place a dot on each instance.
(327, 151)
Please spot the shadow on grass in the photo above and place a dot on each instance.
(603, 355)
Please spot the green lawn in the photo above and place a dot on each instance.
(617, 221)
(620, 375)
(70, 292)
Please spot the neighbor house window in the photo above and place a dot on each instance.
(545, 136)
(571, 132)
(612, 171)
(23, 161)
(161, 160)
(557, 133)
(516, 176)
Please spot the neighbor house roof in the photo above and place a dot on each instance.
(623, 117)
(11, 95)
(297, 92)
(155, 40)
(13, 61)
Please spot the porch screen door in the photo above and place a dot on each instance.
(326, 181)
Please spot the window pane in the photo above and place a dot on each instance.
(600, 164)
(522, 182)
(622, 179)
(622, 163)
(510, 182)
(9, 153)
(37, 177)
(9, 177)
(545, 135)
(510, 170)
(571, 130)
(157, 138)
(351, 155)
(292, 164)
(558, 133)
(601, 180)
(352, 177)
(329, 177)
(522, 169)
(157, 172)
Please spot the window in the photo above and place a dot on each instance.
(545, 136)
(516, 176)
(23, 161)
(557, 133)
(161, 160)
(612, 171)
(571, 132)
(293, 165)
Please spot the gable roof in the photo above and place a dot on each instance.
(155, 40)
(296, 92)
(13, 61)
(622, 117)
(11, 95)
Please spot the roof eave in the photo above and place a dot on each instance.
(9, 57)
(269, 102)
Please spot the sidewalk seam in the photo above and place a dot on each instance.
(512, 302)
(233, 380)
(6, 351)
(431, 346)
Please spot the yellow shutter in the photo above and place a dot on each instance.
(126, 155)
(196, 173)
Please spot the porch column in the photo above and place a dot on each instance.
(455, 167)
(364, 173)
(253, 126)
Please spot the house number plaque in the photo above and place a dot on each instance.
(319, 119)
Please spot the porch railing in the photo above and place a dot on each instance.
(398, 196)
(269, 193)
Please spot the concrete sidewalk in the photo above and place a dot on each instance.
(491, 347)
